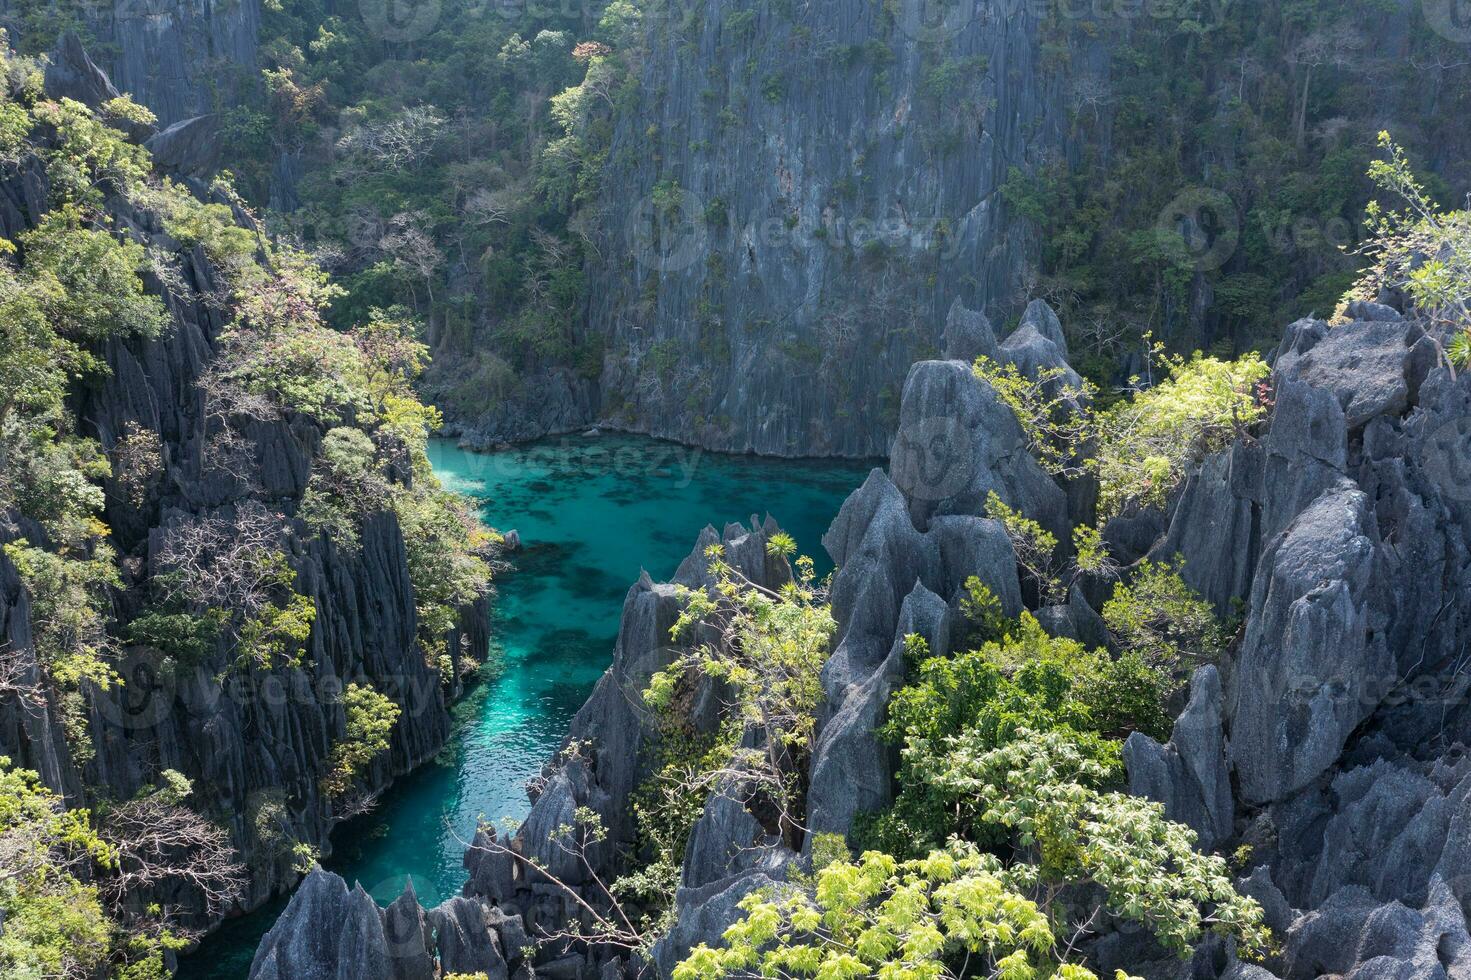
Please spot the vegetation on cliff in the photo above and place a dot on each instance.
(1010, 835)
(1254, 124)
(85, 893)
(1421, 251)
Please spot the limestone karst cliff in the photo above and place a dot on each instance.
(180, 59)
(1327, 744)
(825, 223)
(737, 225)
(255, 735)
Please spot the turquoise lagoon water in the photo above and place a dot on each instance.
(591, 511)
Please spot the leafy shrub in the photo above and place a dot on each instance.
(1042, 789)
(1422, 250)
(1075, 851)
(370, 717)
(769, 651)
(1038, 558)
(1053, 413)
(1146, 445)
(54, 922)
(1141, 447)
(1026, 679)
(90, 279)
(181, 635)
(70, 603)
(880, 917)
(1159, 617)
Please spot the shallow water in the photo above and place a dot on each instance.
(591, 512)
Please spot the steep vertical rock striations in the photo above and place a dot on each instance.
(255, 739)
(795, 200)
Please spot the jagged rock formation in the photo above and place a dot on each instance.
(1331, 739)
(1344, 709)
(254, 740)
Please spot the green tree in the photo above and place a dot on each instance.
(369, 717)
(770, 649)
(1421, 250)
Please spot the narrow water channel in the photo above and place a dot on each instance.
(591, 511)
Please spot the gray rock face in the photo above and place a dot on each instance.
(1033, 353)
(1363, 310)
(552, 402)
(407, 932)
(1307, 452)
(1042, 320)
(190, 147)
(327, 933)
(1189, 775)
(466, 943)
(72, 74)
(1372, 367)
(958, 443)
(30, 728)
(880, 556)
(1355, 937)
(330, 933)
(852, 772)
(177, 58)
(1037, 346)
(968, 334)
(1345, 701)
(1315, 659)
(966, 546)
(1215, 526)
(707, 911)
(725, 841)
(1076, 620)
(831, 221)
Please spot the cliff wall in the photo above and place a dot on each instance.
(255, 738)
